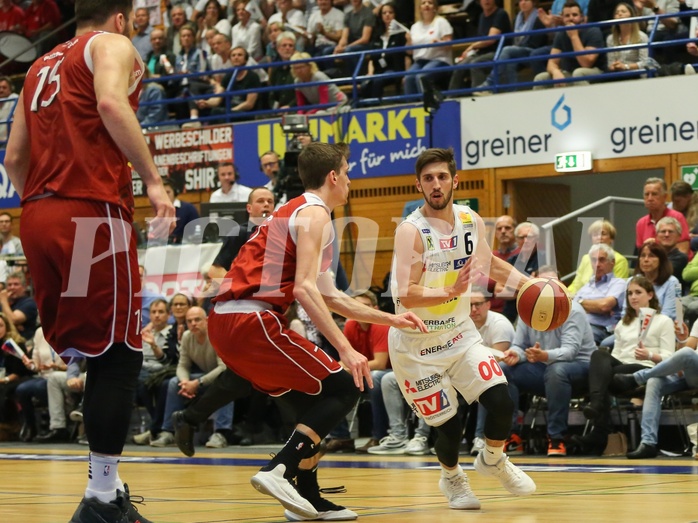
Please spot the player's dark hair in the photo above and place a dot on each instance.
(436, 156)
(317, 159)
(98, 11)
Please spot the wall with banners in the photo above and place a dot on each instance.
(612, 120)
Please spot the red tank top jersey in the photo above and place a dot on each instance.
(265, 267)
(72, 153)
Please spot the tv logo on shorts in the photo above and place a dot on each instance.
(433, 404)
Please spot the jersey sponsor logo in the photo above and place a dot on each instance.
(438, 266)
(434, 404)
(428, 382)
(439, 348)
(465, 218)
(409, 389)
(430, 243)
(440, 325)
(426, 231)
(447, 244)
(459, 263)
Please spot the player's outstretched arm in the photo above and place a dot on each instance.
(312, 228)
(18, 149)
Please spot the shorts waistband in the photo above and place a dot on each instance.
(242, 306)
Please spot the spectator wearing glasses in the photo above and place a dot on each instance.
(668, 235)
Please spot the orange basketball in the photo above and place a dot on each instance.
(543, 304)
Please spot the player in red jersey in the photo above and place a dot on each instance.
(287, 259)
(74, 132)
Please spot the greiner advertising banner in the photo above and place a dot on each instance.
(384, 141)
(617, 119)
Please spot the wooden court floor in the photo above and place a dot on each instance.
(41, 485)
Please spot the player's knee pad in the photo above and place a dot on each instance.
(448, 437)
(500, 408)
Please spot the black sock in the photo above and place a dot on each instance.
(298, 447)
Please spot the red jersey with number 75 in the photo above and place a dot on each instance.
(72, 153)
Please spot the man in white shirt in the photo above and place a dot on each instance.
(8, 106)
(325, 26)
(230, 190)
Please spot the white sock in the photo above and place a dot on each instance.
(103, 478)
(492, 455)
(451, 473)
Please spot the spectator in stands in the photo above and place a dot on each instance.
(270, 166)
(199, 8)
(674, 374)
(190, 59)
(198, 367)
(10, 245)
(245, 80)
(148, 296)
(430, 29)
(271, 54)
(623, 35)
(11, 17)
(221, 46)
(7, 108)
(600, 231)
(586, 39)
(356, 34)
(14, 371)
(247, 33)
(602, 297)
(325, 94)
(159, 360)
(667, 28)
(185, 212)
(18, 306)
(62, 386)
(325, 27)
(690, 301)
(371, 340)
(159, 61)
(551, 364)
(493, 21)
(653, 263)
(551, 18)
(230, 190)
(630, 353)
(214, 18)
(42, 361)
(507, 246)
(387, 35)
(178, 19)
(497, 333)
(398, 441)
(525, 258)
(668, 234)
(292, 19)
(155, 113)
(526, 20)
(681, 197)
(601, 10)
(42, 17)
(141, 37)
(654, 194)
(280, 75)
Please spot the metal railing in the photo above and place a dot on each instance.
(547, 228)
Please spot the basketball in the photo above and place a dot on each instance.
(543, 304)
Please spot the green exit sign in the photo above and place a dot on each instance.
(689, 174)
(573, 162)
(473, 203)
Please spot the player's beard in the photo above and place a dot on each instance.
(443, 203)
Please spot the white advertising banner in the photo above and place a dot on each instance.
(617, 119)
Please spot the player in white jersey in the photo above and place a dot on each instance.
(439, 249)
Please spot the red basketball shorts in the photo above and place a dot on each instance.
(84, 264)
(259, 347)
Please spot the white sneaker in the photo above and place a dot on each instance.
(417, 446)
(217, 441)
(165, 439)
(478, 445)
(274, 484)
(390, 445)
(329, 515)
(515, 480)
(458, 492)
(143, 438)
